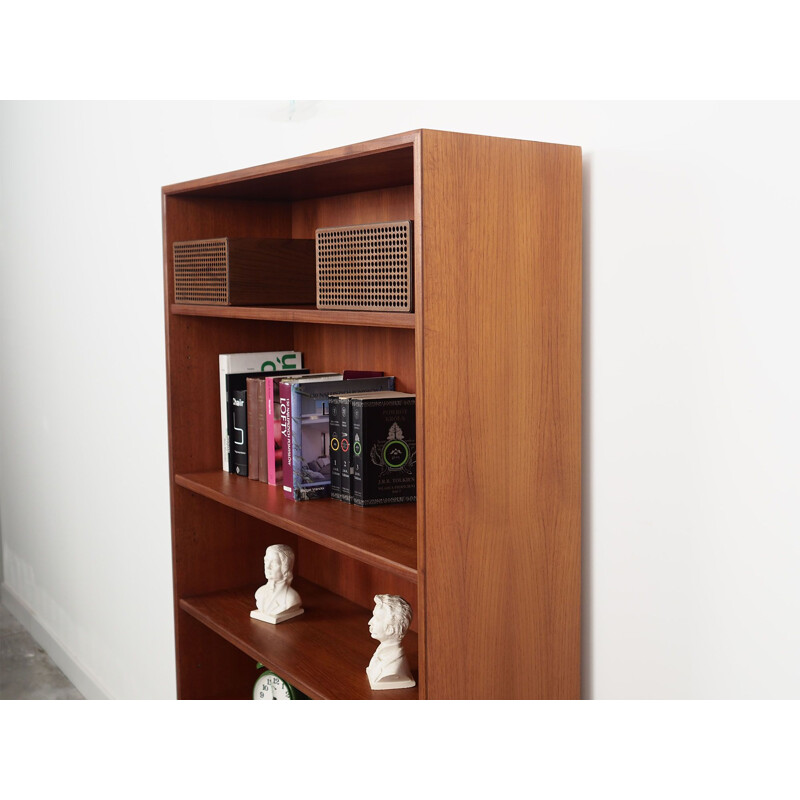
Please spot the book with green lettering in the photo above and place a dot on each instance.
(268, 361)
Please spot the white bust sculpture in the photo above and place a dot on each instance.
(276, 601)
(389, 668)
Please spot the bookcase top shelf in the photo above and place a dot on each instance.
(380, 319)
(377, 164)
(382, 536)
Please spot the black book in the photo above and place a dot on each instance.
(342, 459)
(239, 435)
(346, 462)
(384, 448)
(334, 439)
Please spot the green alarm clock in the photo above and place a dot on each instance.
(270, 686)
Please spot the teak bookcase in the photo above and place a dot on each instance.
(489, 556)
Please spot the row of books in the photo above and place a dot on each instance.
(373, 448)
(349, 435)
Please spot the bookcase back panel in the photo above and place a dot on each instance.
(194, 345)
(215, 534)
(191, 218)
(383, 205)
(334, 348)
(352, 579)
(210, 668)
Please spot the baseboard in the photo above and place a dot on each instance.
(86, 683)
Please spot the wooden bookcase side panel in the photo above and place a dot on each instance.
(419, 361)
(500, 573)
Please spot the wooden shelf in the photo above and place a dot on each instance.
(382, 536)
(379, 319)
(324, 652)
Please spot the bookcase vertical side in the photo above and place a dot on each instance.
(499, 349)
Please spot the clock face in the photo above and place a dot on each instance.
(270, 687)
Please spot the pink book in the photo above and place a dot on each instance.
(273, 432)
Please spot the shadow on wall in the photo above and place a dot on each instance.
(587, 686)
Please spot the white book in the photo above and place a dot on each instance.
(231, 363)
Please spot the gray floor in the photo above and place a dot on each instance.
(26, 671)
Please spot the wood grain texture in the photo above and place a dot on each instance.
(352, 578)
(193, 349)
(369, 319)
(501, 417)
(362, 208)
(324, 652)
(271, 271)
(214, 549)
(210, 668)
(335, 349)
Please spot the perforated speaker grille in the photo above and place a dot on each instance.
(365, 267)
(201, 271)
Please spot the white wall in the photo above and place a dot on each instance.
(692, 530)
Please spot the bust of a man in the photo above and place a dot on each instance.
(389, 668)
(276, 601)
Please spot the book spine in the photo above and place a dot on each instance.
(252, 429)
(334, 429)
(389, 454)
(239, 437)
(223, 411)
(295, 471)
(295, 465)
(356, 450)
(247, 362)
(229, 392)
(284, 396)
(273, 421)
(345, 451)
(262, 430)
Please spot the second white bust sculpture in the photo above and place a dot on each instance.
(276, 601)
(389, 668)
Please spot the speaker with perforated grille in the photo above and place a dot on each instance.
(366, 267)
(244, 272)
